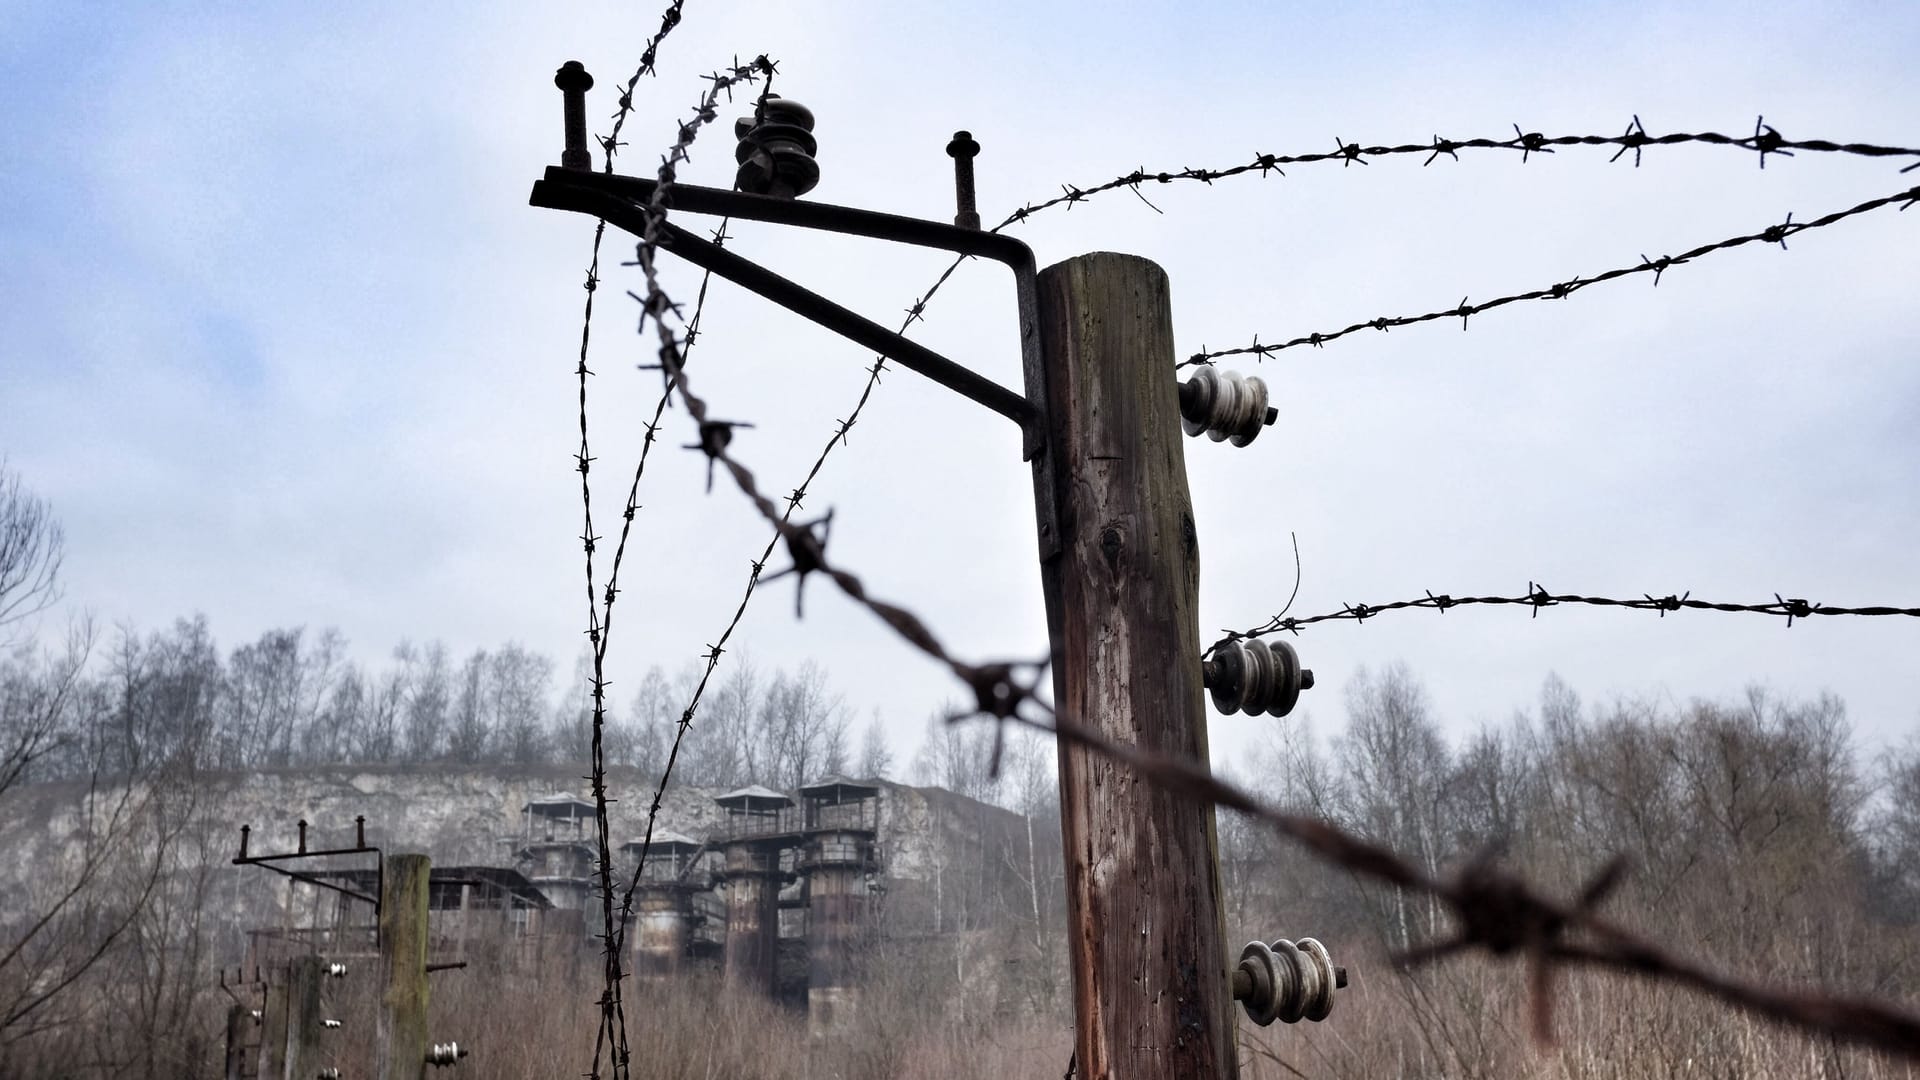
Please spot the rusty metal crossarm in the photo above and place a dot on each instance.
(249, 859)
(829, 217)
(619, 200)
(311, 880)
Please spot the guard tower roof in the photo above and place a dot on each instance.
(839, 788)
(665, 842)
(754, 797)
(559, 806)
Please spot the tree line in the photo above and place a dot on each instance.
(291, 698)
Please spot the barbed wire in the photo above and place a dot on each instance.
(1773, 234)
(1497, 911)
(1537, 597)
(611, 1034)
(610, 144)
(1493, 909)
(583, 460)
(1764, 140)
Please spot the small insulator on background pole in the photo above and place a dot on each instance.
(1225, 405)
(445, 1053)
(776, 149)
(1253, 677)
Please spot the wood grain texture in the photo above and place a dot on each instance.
(304, 1052)
(1146, 938)
(403, 967)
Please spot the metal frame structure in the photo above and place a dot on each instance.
(624, 201)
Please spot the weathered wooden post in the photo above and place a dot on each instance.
(303, 1019)
(272, 1058)
(1151, 995)
(239, 1034)
(403, 967)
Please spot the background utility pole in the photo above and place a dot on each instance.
(1150, 980)
(273, 1028)
(304, 1029)
(240, 1025)
(403, 967)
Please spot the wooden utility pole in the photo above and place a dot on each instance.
(272, 1058)
(303, 1019)
(1151, 996)
(403, 967)
(239, 1026)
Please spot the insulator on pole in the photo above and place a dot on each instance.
(1287, 981)
(1248, 675)
(776, 149)
(1225, 405)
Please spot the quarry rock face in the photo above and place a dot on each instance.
(936, 848)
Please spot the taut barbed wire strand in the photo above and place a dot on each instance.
(1764, 140)
(611, 1035)
(1537, 597)
(1773, 234)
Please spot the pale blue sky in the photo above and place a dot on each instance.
(283, 343)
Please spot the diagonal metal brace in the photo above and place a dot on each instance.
(624, 201)
(622, 211)
(626, 204)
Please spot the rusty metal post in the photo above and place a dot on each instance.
(304, 1027)
(752, 874)
(836, 864)
(1146, 939)
(963, 150)
(402, 1029)
(662, 927)
(574, 82)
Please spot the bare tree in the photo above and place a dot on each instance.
(429, 697)
(876, 757)
(32, 546)
(76, 914)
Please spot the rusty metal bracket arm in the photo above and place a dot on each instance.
(795, 297)
(617, 199)
(829, 217)
(246, 860)
(296, 875)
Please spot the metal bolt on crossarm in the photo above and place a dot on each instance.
(574, 82)
(1287, 981)
(962, 149)
(1254, 677)
(1225, 404)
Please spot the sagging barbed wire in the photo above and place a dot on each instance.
(611, 1035)
(1537, 597)
(1772, 234)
